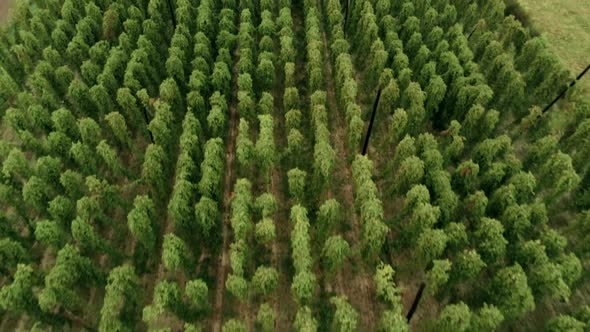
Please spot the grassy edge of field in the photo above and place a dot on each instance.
(566, 27)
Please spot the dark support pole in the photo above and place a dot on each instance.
(147, 122)
(172, 14)
(346, 13)
(416, 302)
(565, 90)
(75, 319)
(151, 136)
(472, 31)
(366, 146)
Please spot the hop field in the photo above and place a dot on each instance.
(291, 165)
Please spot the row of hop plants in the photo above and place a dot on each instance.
(304, 283)
(200, 165)
(367, 196)
(247, 284)
(324, 154)
(346, 84)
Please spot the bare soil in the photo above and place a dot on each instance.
(4, 9)
(228, 181)
(284, 305)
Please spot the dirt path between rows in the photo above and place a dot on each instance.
(228, 181)
(224, 259)
(283, 302)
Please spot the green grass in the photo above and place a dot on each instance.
(566, 24)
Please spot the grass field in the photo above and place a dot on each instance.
(566, 24)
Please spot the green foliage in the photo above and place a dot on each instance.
(180, 207)
(324, 159)
(345, 317)
(266, 317)
(244, 146)
(374, 229)
(304, 282)
(377, 60)
(431, 244)
(490, 240)
(385, 286)
(544, 276)
(221, 78)
(216, 119)
(234, 325)
(49, 233)
(467, 265)
(389, 97)
(12, 252)
(105, 102)
(304, 321)
(207, 214)
(153, 169)
(121, 297)
(265, 280)
(564, 323)
(167, 298)
(265, 104)
(16, 165)
(212, 168)
(368, 26)
(110, 157)
(197, 294)
(329, 216)
(18, 295)
(140, 221)
(296, 180)
(266, 204)
(454, 317)
(393, 321)
(265, 74)
(36, 193)
(410, 173)
(237, 286)
(291, 99)
(265, 146)
(437, 276)
(73, 183)
(70, 270)
(295, 142)
(558, 171)
(265, 231)
(511, 293)
(65, 122)
(85, 234)
(336, 250)
(241, 209)
(488, 318)
(175, 253)
(119, 128)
